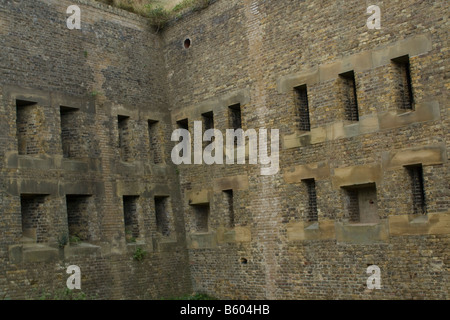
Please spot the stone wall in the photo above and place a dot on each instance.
(63, 177)
(256, 53)
(131, 88)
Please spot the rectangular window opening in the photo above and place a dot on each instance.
(235, 119)
(34, 216)
(229, 205)
(124, 137)
(183, 124)
(353, 205)
(417, 189)
(312, 212)
(235, 116)
(78, 213)
(70, 135)
(362, 205)
(130, 210)
(208, 124)
(201, 217)
(301, 99)
(162, 215)
(208, 120)
(27, 127)
(403, 83)
(155, 142)
(349, 96)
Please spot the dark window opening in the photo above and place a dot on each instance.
(124, 137)
(208, 124)
(353, 205)
(312, 213)
(349, 96)
(403, 84)
(27, 122)
(229, 203)
(362, 205)
(201, 216)
(208, 120)
(70, 139)
(130, 211)
(235, 116)
(417, 189)
(162, 215)
(244, 261)
(34, 218)
(155, 142)
(301, 99)
(78, 216)
(235, 119)
(183, 124)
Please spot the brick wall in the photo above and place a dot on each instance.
(247, 53)
(63, 175)
(255, 53)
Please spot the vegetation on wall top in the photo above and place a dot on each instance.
(158, 15)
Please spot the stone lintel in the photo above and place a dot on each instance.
(357, 175)
(231, 183)
(433, 223)
(301, 231)
(427, 155)
(202, 240)
(358, 62)
(199, 197)
(317, 171)
(349, 233)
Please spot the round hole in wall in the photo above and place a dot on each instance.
(187, 43)
(244, 261)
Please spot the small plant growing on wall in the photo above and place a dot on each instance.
(129, 237)
(139, 254)
(158, 17)
(63, 240)
(75, 240)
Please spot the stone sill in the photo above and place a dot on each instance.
(138, 168)
(81, 250)
(51, 162)
(202, 240)
(303, 231)
(36, 252)
(29, 253)
(132, 246)
(371, 123)
(136, 243)
(211, 240)
(165, 243)
(235, 235)
(433, 223)
(362, 233)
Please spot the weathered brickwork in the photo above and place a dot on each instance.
(86, 118)
(256, 53)
(64, 175)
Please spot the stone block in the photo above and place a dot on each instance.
(362, 234)
(433, 223)
(357, 175)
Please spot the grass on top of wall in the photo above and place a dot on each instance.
(155, 10)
